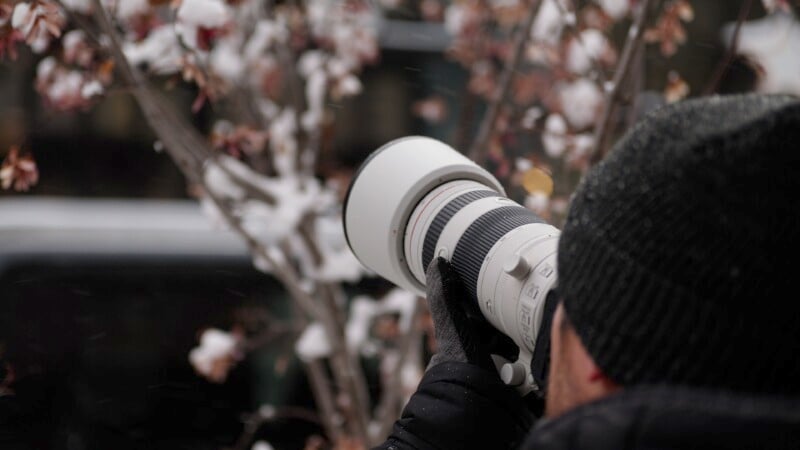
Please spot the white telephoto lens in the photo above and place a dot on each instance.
(384, 192)
(417, 199)
(503, 253)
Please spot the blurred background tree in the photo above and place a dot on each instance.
(260, 111)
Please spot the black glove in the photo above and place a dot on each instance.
(462, 333)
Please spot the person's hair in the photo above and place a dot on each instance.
(566, 324)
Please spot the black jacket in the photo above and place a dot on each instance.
(460, 406)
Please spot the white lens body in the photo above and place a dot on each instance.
(424, 215)
(517, 271)
(385, 192)
(514, 280)
(416, 199)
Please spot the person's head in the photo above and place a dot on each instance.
(676, 260)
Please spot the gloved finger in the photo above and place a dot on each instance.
(462, 333)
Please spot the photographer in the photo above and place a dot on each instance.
(678, 323)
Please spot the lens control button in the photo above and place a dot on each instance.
(517, 267)
(513, 374)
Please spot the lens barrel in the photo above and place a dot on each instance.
(461, 221)
(385, 192)
(503, 252)
(416, 199)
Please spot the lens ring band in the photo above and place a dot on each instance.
(481, 236)
(443, 217)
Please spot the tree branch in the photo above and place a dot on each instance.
(79, 21)
(477, 151)
(386, 411)
(613, 90)
(181, 144)
(730, 52)
(347, 366)
(569, 20)
(254, 422)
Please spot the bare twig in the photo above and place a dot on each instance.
(180, 143)
(251, 189)
(270, 334)
(730, 52)
(635, 86)
(477, 151)
(254, 422)
(613, 89)
(570, 21)
(314, 310)
(347, 367)
(82, 24)
(324, 399)
(386, 411)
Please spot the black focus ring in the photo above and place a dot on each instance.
(480, 237)
(443, 217)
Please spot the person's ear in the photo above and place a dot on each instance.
(597, 377)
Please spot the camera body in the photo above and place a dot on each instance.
(416, 199)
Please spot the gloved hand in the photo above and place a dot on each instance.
(462, 333)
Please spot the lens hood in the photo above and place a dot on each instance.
(384, 192)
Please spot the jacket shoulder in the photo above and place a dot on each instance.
(673, 418)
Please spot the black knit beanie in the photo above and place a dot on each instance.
(679, 260)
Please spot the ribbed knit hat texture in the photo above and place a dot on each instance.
(679, 258)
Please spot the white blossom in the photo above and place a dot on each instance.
(339, 67)
(46, 68)
(195, 14)
(316, 89)
(129, 9)
(537, 202)
(64, 85)
(20, 18)
(523, 164)
(160, 51)
(203, 13)
(313, 343)
(582, 144)
(35, 21)
(262, 445)
(262, 264)
(220, 183)
(776, 5)
(530, 117)
(226, 61)
(72, 39)
(269, 224)
(772, 43)
(217, 351)
(91, 89)
(81, 6)
(363, 311)
(341, 265)
(339, 262)
(580, 100)
(583, 51)
(310, 62)
(267, 108)
(283, 142)
(549, 22)
(348, 86)
(266, 34)
(41, 41)
(554, 137)
(616, 9)
(455, 18)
